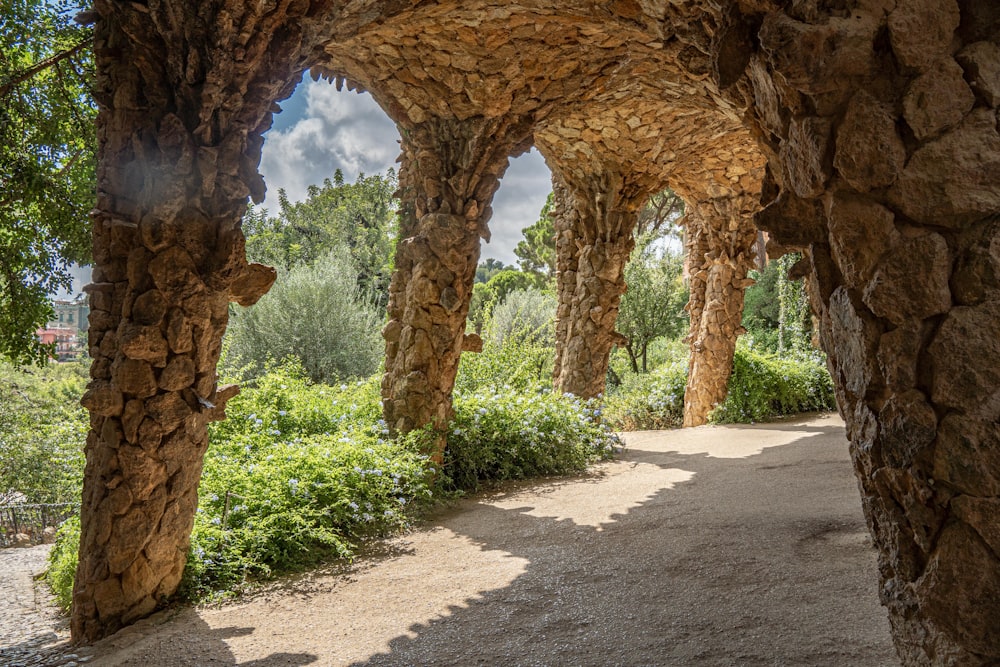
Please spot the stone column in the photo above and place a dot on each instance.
(595, 219)
(450, 171)
(176, 165)
(720, 244)
(887, 155)
(568, 247)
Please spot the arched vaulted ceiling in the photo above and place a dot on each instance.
(602, 87)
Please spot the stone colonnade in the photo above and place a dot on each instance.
(594, 221)
(878, 122)
(177, 164)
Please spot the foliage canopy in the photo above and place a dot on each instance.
(316, 313)
(360, 216)
(47, 162)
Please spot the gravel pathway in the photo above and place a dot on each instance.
(32, 631)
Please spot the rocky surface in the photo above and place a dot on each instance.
(896, 221)
(721, 249)
(33, 633)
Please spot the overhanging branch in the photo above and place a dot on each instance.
(20, 78)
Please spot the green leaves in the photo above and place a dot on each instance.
(359, 216)
(537, 252)
(47, 162)
(521, 433)
(761, 387)
(42, 432)
(316, 313)
(654, 304)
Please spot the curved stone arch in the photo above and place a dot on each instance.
(868, 170)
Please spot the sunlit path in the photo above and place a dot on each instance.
(711, 546)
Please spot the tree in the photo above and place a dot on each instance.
(660, 215)
(360, 216)
(47, 161)
(488, 268)
(653, 306)
(526, 316)
(315, 312)
(486, 296)
(537, 251)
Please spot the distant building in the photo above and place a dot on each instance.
(70, 314)
(68, 327)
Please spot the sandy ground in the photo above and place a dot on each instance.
(711, 546)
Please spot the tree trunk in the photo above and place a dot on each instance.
(720, 247)
(633, 358)
(450, 172)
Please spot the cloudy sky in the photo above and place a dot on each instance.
(321, 130)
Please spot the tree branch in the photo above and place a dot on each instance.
(20, 78)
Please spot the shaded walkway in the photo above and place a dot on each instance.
(710, 546)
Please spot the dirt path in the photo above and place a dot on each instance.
(710, 546)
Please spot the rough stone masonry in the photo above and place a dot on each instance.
(862, 133)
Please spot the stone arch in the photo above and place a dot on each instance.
(867, 112)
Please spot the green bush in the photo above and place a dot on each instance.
(297, 474)
(517, 365)
(62, 562)
(526, 316)
(43, 428)
(316, 313)
(516, 434)
(653, 400)
(761, 387)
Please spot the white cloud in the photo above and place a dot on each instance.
(349, 131)
(344, 130)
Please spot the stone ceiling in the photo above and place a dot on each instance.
(600, 84)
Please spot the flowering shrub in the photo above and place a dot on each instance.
(653, 400)
(298, 473)
(514, 434)
(761, 387)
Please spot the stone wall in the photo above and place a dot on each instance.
(883, 120)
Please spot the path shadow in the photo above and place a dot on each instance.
(182, 637)
(691, 550)
(759, 560)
